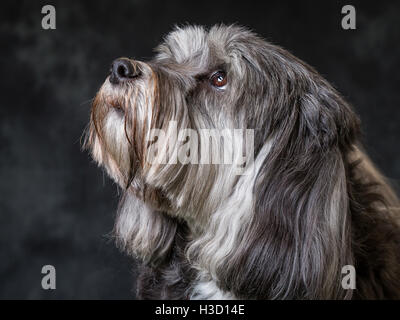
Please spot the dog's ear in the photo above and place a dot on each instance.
(299, 237)
(324, 119)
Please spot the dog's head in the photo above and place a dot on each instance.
(229, 78)
(224, 78)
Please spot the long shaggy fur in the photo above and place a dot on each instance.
(309, 203)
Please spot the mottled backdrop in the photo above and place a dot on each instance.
(56, 207)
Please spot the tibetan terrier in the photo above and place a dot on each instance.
(306, 204)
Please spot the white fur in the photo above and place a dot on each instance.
(228, 224)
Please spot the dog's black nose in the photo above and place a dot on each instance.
(123, 69)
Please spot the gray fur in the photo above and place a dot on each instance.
(314, 203)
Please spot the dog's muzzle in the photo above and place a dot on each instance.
(123, 69)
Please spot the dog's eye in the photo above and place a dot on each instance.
(218, 79)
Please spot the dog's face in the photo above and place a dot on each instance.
(198, 78)
(224, 78)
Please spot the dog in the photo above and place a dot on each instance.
(307, 204)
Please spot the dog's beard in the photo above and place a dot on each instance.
(121, 118)
(119, 137)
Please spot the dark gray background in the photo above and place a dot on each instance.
(56, 207)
